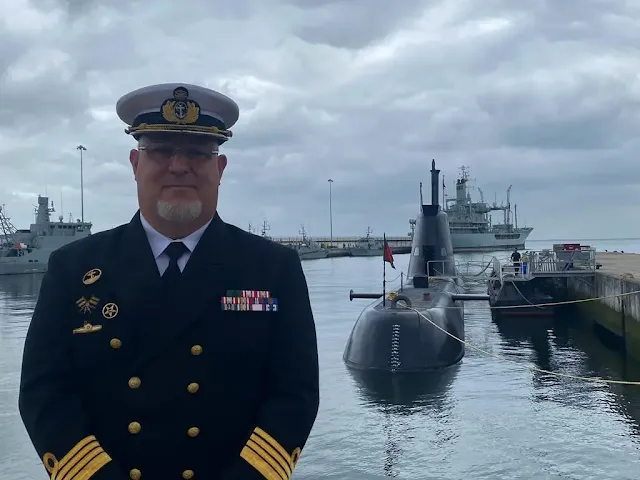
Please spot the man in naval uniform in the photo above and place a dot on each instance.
(177, 345)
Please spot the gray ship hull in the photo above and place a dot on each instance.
(365, 252)
(28, 251)
(307, 252)
(313, 254)
(37, 261)
(483, 242)
(472, 228)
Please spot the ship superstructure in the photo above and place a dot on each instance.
(28, 251)
(471, 223)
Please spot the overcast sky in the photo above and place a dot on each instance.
(541, 95)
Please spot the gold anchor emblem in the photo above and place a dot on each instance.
(87, 328)
(92, 276)
(110, 310)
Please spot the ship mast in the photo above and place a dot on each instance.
(82, 149)
(265, 228)
(7, 230)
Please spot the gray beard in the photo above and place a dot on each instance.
(179, 213)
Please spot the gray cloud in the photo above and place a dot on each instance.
(340, 23)
(541, 95)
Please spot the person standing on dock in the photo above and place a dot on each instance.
(177, 345)
(515, 258)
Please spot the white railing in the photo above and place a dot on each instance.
(547, 263)
(467, 270)
(437, 268)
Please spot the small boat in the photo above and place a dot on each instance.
(308, 250)
(367, 246)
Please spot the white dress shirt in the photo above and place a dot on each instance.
(158, 242)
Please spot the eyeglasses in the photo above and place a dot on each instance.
(159, 153)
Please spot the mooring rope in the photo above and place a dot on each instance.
(529, 367)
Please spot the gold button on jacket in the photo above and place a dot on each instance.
(193, 432)
(196, 350)
(134, 427)
(135, 474)
(115, 343)
(187, 474)
(193, 387)
(134, 382)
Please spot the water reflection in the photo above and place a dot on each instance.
(405, 391)
(563, 345)
(519, 331)
(20, 287)
(397, 398)
(18, 295)
(604, 362)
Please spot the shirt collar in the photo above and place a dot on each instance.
(158, 242)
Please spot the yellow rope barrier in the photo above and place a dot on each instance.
(568, 302)
(529, 367)
(540, 305)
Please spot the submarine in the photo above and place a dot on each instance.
(413, 329)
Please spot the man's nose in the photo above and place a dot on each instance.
(178, 163)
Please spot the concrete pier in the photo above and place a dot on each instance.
(619, 273)
(399, 243)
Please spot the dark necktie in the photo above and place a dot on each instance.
(174, 251)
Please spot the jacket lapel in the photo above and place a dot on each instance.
(202, 284)
(137, 281)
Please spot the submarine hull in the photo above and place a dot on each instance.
(395, 339)
(422, 328)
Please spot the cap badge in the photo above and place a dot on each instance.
(179, 109)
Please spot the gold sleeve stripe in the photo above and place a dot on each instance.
(72, 453)
(260, 465)
(275, 445)
(73, 466)
(255, 439)
(93, 466)
(268, 458)
(81, 465)
(81, 462)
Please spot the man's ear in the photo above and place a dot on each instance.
(222, 164)
(133, 159)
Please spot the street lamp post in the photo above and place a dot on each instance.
(330, 215)
(81, 148)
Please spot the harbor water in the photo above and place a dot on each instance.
(490, 417)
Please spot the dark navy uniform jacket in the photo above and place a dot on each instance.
(119, 381)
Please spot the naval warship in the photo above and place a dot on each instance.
(416, 329)
(367, 246)
(308, 249)
(472, 229)
(28, 251)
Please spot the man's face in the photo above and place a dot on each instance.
(178, 175)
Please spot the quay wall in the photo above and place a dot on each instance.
(619, 315)
(339, 242)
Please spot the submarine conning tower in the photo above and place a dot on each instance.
(420, 327)
(431, 247)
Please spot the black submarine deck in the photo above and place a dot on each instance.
(424, 298)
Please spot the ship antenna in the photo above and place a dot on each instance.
(81, 148)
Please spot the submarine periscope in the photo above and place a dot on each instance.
(413, 329)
